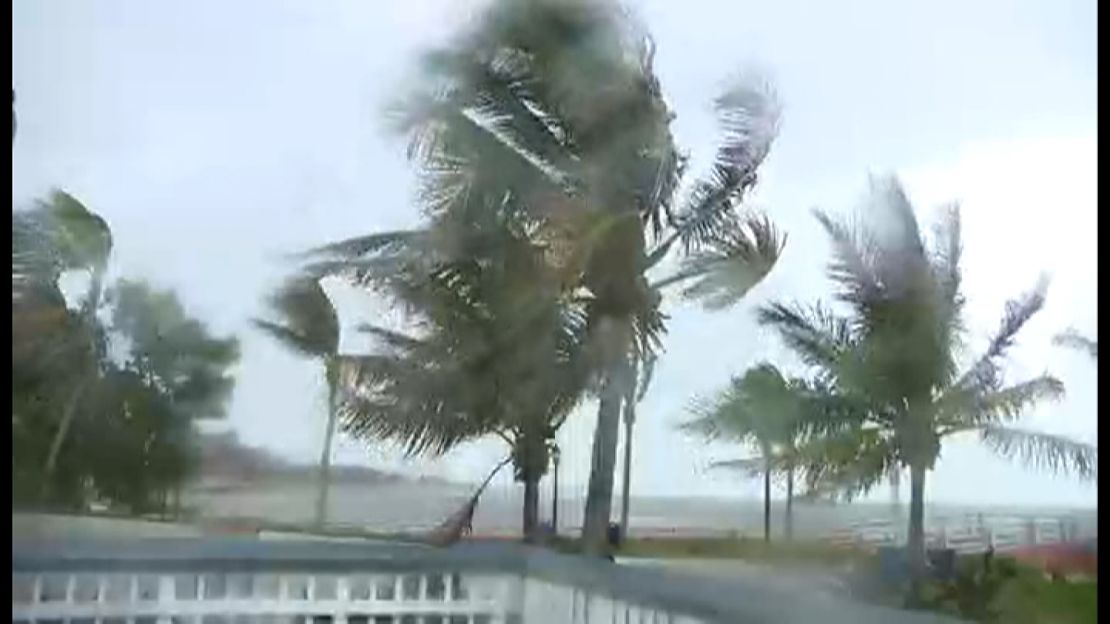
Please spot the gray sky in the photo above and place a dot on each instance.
(216, 136)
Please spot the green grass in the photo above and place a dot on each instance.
(724, 548)
(1032, 599)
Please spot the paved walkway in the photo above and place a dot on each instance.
(775, 577)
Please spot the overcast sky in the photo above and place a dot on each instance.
(216, 136)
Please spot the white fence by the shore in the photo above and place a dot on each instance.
(970, 533)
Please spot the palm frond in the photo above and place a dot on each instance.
(847, 464)
(381, 243)
(1054, 453)
(749, 115)
(985, 371)
(947, 253)
(395, 340)
(750, 466)
(1074, 340)
(972, 405)
(894, 223)
(724, 270)
(58, 234)
(853, 267)
(815, 333)
(730, 267)
(308, 321)
(289, 338)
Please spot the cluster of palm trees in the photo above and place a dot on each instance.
(888, 378)
(559, 216)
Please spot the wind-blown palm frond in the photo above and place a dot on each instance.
(853, 263)
(724, 270)
(750, 466)
(846, 464)
(749, 116)
(818, 336)
(985, 372)
(381, 243)
(58, 234)
(962, 405)
(1054, 453)
(946, 256)
(308, 323)
(1074, 340)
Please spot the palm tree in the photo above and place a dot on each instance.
(893, 389)
(762, 410)
(498, 349)
(309, 326)
(57, 236)
(551, 109)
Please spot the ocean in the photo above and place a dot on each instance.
(412, 506)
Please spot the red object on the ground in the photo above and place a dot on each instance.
(1062, 559)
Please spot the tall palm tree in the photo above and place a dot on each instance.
(551, 109)
(309, 326)
(890, 366)
(763, 410)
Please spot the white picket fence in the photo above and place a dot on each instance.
(970, 533)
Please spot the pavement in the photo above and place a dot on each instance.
(776, 577)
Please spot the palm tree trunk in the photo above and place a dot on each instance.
(531, 511)
(767, 503)
(916, 532)
(88, 311)
(629, 421)
(788, 528)
(599, 492)
(614, 333)
(59, 438)
(325, 463)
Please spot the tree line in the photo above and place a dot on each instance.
(108, 376)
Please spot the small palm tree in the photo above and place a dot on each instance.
(892, 385)
(497, 348)
(309, 326)
(762, 410)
